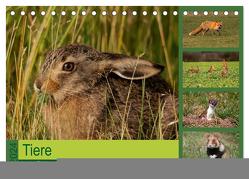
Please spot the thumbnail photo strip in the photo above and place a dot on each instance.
(211, 82)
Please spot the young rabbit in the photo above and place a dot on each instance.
(99, 95)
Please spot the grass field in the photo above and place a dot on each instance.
(194, 145)
(229, 35)
(29, 38)
(210, 80)
(227, 110)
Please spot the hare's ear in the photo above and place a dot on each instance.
(217, 135)
(135, 69)
(206, 135)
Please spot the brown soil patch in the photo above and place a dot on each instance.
(201, 122)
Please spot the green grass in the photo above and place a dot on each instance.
(210, 80)
(194, 144)
(229, 35)
(227, 109)
(29, 38)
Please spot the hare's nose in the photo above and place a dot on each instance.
(37, 85)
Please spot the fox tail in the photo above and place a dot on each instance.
(196, 31)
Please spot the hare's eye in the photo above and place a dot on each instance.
(69, 66)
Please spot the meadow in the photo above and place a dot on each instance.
(204, 79)
(227, 109)
(229, 37)
(29, 38)
(194, 145)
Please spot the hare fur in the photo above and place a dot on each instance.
(97, 95)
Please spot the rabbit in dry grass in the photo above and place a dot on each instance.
(99, 95)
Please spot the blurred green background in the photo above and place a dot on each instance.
(29, 38)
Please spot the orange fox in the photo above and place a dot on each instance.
(225, 65)
(211, 69)
(206, 26)
(224, 71)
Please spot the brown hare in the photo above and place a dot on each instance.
(97, 95)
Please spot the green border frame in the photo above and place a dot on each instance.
(182, 90)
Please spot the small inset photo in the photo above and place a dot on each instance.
(214, 109)
(210, 69)
(211, 29)
(212, 145)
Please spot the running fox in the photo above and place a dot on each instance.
(206, 26)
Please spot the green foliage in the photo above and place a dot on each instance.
(29, 38)
(210, 80)
(194, 144)
(229, 35)
(228, 105)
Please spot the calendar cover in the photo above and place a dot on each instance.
(124, 82)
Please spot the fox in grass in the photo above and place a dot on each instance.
(207, 26)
